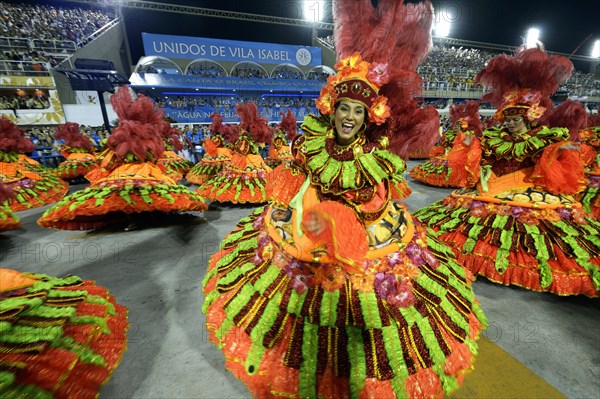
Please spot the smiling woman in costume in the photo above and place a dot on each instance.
(334, 290)
(521, 224)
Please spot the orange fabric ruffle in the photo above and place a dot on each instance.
(559, 170)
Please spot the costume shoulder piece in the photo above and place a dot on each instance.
(498, 142)
(338, 169)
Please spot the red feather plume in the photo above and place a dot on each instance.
(69, 132)
(12, 138)
(230, 133)
(141, 127)
(593, 120)
(469, 112)
(531, 69)
(257, 127)
(173, 137)
(569, 114)
(288, 125)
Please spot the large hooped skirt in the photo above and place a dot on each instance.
(435, 172)
(236, 186)
(550, 245)
(174, 165)
(33, 186)
(133, 189)
(286, 338)
(206, 169)
(590, 197)
(76, 165)
(60, 337)
(8, 221)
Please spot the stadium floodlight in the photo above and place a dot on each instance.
(596, 49)
(441, 26)
(313, 10)
(533, 37)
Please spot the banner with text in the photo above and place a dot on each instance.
(202, 114)
(229, 50)
(224, 83)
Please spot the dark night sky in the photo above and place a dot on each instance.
(564, 24)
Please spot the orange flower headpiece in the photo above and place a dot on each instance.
(523, 102)
(357, 81)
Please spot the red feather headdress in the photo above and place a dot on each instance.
(250, 121)
(288, 125)
(69, 132)
(467, 114)
(140, 127)
(12, 138)
(392, 38)
(522, 84)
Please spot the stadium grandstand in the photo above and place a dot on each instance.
(192, 61)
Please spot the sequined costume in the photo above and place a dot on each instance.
(521, 225)
(128, 180)
(172, 164)
(369, 306)
(590, 197)
(216, 154)
(8, 221)
(243, 177)
(280, 151)
(77, 150)
(441, 169)
(60, 337)
(32, 184)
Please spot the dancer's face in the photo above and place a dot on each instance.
(515, 124)
(349, 118)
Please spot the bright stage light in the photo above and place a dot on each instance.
(533, 37)
(442, 23)
(313, 10)
(596, 49)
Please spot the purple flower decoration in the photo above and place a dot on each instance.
(257, 223)
(257, 260)
(564, 213)
(246, 177)
(414, 253)
(403, 297)
(394, 259)
(476, 204)
(385, 284)
(26, 183)
(261, 174)
(292, 268)
(299, 283)
(517, 211)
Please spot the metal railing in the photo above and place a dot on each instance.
(15, 43)
(54, 46)
(51, 46)
(24, 68)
